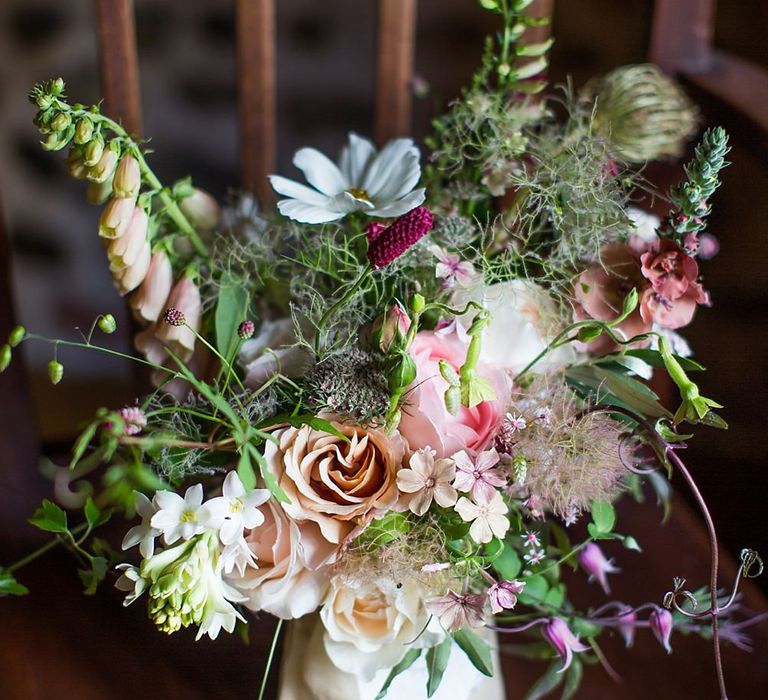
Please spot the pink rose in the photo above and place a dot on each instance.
(600, 292)
(426, 421)
(291, 580)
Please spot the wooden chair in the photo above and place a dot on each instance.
(116, 653)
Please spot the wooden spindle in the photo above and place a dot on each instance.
(394, 68)
(256, 90)
(681, 38)
(119, 64)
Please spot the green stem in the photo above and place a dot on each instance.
(269, 658)
(566, 557)
(344, 299)
(42, 550)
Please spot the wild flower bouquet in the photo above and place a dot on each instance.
(408, 397)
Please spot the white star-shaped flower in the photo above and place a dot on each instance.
(234, 511)
(378, 184)
(427, 479)
(488, 518)
(143, 534)
(178, 517)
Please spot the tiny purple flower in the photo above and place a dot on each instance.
(531, 539)
(503, 595)
(661, 625)
(596, 565)
(514, 423)
(534, 556)
(557, 633)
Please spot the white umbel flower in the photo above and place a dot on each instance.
(379, 184)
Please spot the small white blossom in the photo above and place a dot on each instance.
(143, 534)
(234, 511)
(488, 518)
(178, 517)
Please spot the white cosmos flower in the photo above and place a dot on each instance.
(143, 534)
(379, 184)
(178, 517)
(235, 510)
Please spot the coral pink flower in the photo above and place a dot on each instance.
(669, 269)
(201, 209)
(503, 595)
(426, 420)
(478, 476)
(149, 300)
(556, 632)
(125, 251)
(428, 479)
(596, 565)
(116, 216)
(132, 276)
(456, 611)
(673, 314)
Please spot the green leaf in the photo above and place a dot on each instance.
(508, 564)
(93, 515)
(572, 679)
(245, 469)
(475, 390)
(603, 516)
(50, 517)
(547, 683)
(476, 649)
(555, 596)
(536, 589)
(92, 577)
(270, 480)
(633, 393)
(316, 423)
(231, 310)
(654, 358)
(437, 662)
(82, 442)
(9, 585)
(405, 663)
(563, 543)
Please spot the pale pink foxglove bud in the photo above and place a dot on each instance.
(133, 275)
(98, 192)
(104, 169)
(201, 209)
(124, 251)
(149, 300)
(503, 595)
(127, 179)
(593, 561)
(147, 344)
(116, 217)
(185, 296)
(661, 622)
(557, 633)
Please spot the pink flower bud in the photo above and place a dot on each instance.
(246, 329)
(116, 217)
(104, 169)
(132, 276)
(149, 300)
(124, 251)
(127, 178)
(557, 633)
(185, 297)
(201, 209)
(134, 418)
(503, 595)
(593, 561)
(388, 245)
(627, 625)
(661, 622)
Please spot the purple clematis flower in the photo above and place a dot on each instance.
(557, 633)
(596, 565)
(661, 625)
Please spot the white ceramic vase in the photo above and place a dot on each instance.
(306, 673)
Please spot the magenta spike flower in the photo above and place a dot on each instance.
(388, 244)
(245, 329)
(557, 633)
(503, 595)
(661, 625)
(593, 561)
(174, 317)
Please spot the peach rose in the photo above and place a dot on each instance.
(426, 421)
(291, 580)
(336, 483)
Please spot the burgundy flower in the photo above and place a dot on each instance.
(388, 244)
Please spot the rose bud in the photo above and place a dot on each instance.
(149, 300)
(127, 178)
(201, 209)
(116, 217)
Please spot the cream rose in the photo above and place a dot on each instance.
(334, 482)
(370, 626)
(523, 322)
(291, 580)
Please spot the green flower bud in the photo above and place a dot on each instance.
(105, 168)
(44, 101)
(401, 372)
(16, 336)
(55, 371)
(77, 168)
(93, 151)
(98, 192)
(107, 324)
(127, 177)
(55, 141)
(83, 131)
(61, 122)
(589, 333)
(418, 302)
(5, 357)
(453, 399)
(57, 86)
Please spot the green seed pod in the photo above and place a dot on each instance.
(55, 371)
(83, 131)
(107, 324)
(453, 399)
(5, 357)
(16, 336)
(449, 373)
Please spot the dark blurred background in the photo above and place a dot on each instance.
(325, 88)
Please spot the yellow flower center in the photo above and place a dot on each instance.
(359, 193)
(188, 516)
(236, 505)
